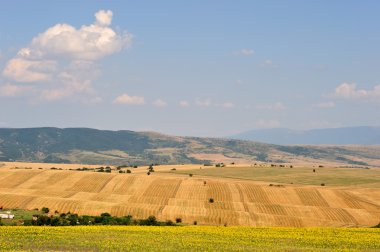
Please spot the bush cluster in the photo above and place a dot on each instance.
(70, 219)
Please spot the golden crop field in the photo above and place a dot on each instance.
(237, 202)
(189, 238)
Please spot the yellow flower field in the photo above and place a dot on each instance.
(188, 238)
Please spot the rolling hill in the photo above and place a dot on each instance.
(91, 146)
(348, 202)
(364, 135)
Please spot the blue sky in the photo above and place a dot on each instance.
(204, 68)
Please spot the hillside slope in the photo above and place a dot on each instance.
(171, 196)
(91, 146)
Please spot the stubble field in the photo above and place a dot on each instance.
(242, 195)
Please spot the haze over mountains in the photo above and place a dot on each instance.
(91, 146)
(365, 135)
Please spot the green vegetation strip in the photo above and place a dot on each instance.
(187, 238)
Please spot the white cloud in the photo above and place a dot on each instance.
(21, 70)
(245, 52)
(275, 106)
(184, 104)
(324, 105)
(228, 105)
(103, 18)
(267, 124)
(203, 103)
(64, 57)
(349, 91)
(130, 100)
(159, 103)
(89, 42)
(10, 90)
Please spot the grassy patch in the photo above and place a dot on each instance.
(20, 216)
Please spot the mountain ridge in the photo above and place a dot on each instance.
(93, 146)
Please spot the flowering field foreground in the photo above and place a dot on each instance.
(189, 238)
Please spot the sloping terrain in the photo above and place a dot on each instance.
(91, 146)
(170, 196)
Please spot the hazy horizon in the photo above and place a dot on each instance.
(198, 68)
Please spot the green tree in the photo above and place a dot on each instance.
(45, 210)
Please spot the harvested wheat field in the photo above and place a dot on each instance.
(236, 202)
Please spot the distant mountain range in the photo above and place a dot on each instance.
(91, 146)
(364, 135)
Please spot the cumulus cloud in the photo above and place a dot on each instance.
(89, 42)
(184, 104)
(103, 18)
(130, 100)
(245, 52)
(159, 103)
(275, 106)
(267, 124)
(324, 105)
(22, 70)
(350, 91)
(64, 57)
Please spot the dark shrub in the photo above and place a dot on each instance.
(150, 221)
(45, 210)
(169, 223)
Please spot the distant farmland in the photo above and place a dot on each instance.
(235, 202)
